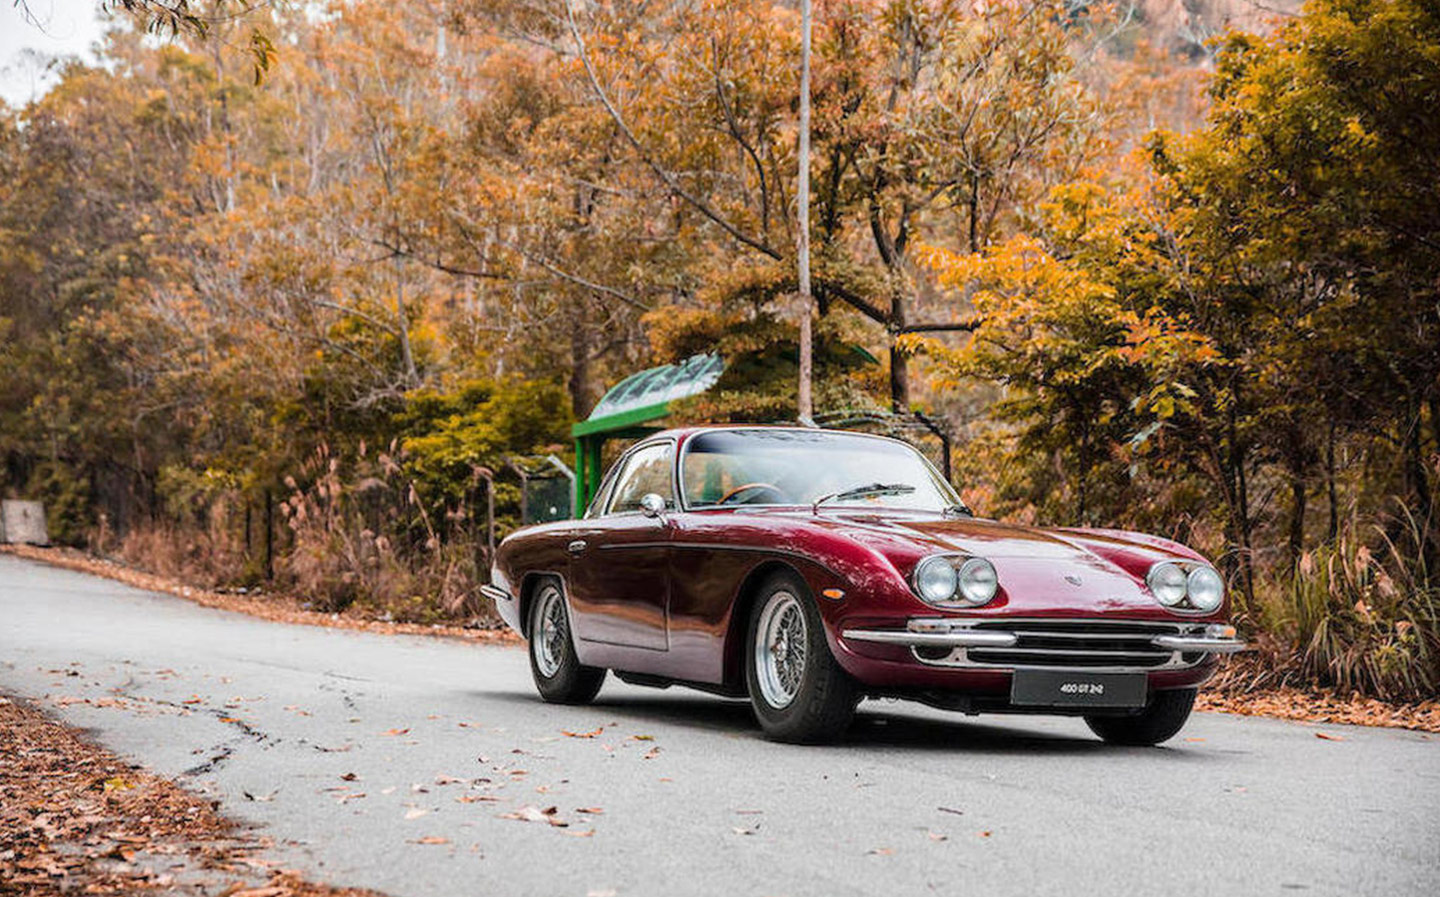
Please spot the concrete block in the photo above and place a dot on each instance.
(23, 522)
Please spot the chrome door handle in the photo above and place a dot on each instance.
(576, 546)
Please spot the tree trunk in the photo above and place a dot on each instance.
(1333, 531)
(1297, 519)
(899, 361)
(402, 326)
(580, 372)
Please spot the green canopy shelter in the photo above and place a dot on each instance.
(630, 410)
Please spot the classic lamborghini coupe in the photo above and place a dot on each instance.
(807, 569)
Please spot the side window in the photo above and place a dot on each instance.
(647, 470)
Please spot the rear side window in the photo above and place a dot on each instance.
(646, 470)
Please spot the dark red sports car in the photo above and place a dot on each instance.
(807, 569)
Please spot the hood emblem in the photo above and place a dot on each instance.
(1072, 579)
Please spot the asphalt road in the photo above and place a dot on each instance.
(357, 752)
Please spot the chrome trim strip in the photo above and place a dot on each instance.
(1190, 644)
(495, 593)
(942, 629)
(1086, 652)
(933, 639)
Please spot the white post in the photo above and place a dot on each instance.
(804, 401)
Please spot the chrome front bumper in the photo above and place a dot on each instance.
(1092, 643)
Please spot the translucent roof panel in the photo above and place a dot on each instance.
(690, 377)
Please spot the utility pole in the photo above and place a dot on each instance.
(804, 400)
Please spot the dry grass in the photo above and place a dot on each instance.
(278, 608)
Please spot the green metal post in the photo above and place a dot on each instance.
(581, 487)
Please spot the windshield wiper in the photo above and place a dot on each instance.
(864, 491)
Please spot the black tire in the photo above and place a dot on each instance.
(1159, 721)
(822, 703)
(559, 676)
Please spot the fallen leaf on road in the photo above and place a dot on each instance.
(194, 700)
(349, 777)
(880, 851)
(263, 798)
(529, 813)
(415, 813)
(447, 780)
(643, 737)
(652, 753)
(229, 719)
(951, 810)
(260, 892)
(474, 798)
(937, 836)
(432, 839)
(740, 830)
(590, 811)
(985, 834)
(345, 798)
(395, 732)
(587, 833)
(591, 734)
(1328, 737)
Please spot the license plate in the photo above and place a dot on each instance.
(1077, 688)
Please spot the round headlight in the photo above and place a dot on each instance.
(1167, 583)
(936, 580)
(1205, 588)
(978, 581)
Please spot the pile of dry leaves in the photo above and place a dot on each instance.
(1234, 690)
(74, 818)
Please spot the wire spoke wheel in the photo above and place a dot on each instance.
(552, 632)
(781, 648)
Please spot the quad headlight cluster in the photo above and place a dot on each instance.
(948, 580)
(1186, 586)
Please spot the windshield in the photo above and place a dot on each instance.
(798, 467)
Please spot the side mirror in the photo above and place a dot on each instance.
(651, 504)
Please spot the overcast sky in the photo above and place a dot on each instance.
(63, 28)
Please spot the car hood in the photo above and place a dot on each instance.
(1039, 567)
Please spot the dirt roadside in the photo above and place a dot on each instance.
(75, 818)
(1228, 693)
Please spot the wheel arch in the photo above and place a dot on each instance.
(746, 599)
(529, 585)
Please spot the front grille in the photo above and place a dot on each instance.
(1090, 644)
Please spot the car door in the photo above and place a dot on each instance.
(620, 558)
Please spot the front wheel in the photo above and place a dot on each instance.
(798, 691)
(559, 676)
(1159, 721)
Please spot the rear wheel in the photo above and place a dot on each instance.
(559, 676)
(1162, 717)
(798, 691)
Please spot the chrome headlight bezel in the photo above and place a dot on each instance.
(936, 580)
(950, 580)
(1204, 588)
(1171, 582)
